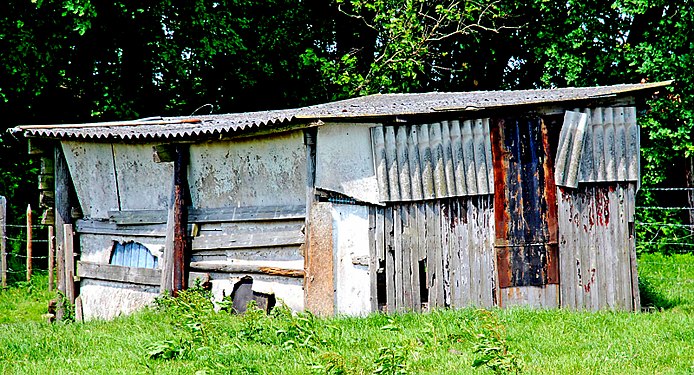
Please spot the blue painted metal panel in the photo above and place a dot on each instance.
(132, 254)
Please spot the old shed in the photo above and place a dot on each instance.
(397, 202)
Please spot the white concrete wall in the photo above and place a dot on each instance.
(344, 161)
(351, 239)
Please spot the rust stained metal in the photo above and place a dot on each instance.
(433, 161)
(525, 204)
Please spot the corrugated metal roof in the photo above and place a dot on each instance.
(363, 107)
(431, 161)
(598, 145)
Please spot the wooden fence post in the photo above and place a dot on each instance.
(68, 245)
(3, 243)
(29, 244)
(51, 257)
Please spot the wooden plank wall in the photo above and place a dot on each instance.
(596, 247)
(435, 254)
(227, 243)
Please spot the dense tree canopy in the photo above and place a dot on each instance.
(83, 60)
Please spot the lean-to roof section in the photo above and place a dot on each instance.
(372, 106)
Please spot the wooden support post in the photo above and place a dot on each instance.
(3, 242)
(68, 245)
(174, 275)
(51, 258)
(29, 244)
(62, 217)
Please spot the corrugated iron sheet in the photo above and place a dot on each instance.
(597, 247)
(372, 106)
(430, 161)
(132, 254)
(598, 145)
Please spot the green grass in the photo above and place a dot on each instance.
(441, 342)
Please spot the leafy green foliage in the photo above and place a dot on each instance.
(492, 348)
(442, 341)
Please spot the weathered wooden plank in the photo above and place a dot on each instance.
(130, 275)
(62, 216)
(390, 260)
(107, 228)
(458, 277)
(247, 240)
(487, 231)
(414, 257)
(69, 246)
(398, 250)
(408, 248)
(438, 257)
(635, 294)
(621, 229)
(603, 267)
(211, 215)
(374, 238)
(245, 268)
(380, 234)
(431, 254)
(319, 284)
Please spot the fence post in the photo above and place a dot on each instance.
(3, 243)
(68, 245)
(29, 239)
(51, 256)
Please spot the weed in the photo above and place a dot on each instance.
(331, 364)
(492, 348)
(168, 349)
(392, 360)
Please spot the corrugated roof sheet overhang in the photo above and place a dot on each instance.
(372, 106)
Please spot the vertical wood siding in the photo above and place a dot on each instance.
(436, 254)
(596, 247)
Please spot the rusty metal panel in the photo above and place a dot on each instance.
(525, 204)
(432, 161)
(598, 145)
(596, 247)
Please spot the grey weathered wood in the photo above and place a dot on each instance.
(166, 279)
(374, 238)
(62, 216)
(211, 215)
(245, 268)
(406, 243)
(380, 234)
(432, 255)
(398, 252)
(30, 242)
(465, 247)
(414, 257)
(69, 246)
(79, 314)
(109, 272)
(390, 260)
(107, 228)
(635, 294)
(51, 258)
(251, 240)
(446, 251)
(3, 242)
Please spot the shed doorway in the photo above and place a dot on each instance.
(525, 212)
